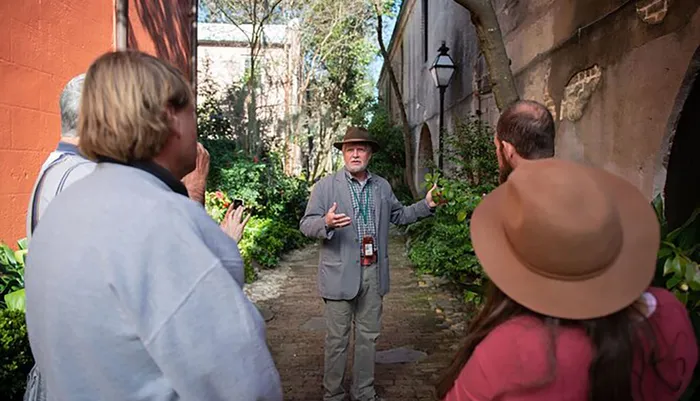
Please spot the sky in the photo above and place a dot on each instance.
(376, 65)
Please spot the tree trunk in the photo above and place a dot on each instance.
(407, 137)
(253, 139)
(491, 42)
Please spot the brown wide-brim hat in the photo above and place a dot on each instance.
(357, 135)
(567, 240)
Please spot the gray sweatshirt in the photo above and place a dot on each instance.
(135, 293)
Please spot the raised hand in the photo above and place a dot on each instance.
(334, 220)
(430, 197)
(196, 181)
(233, 223)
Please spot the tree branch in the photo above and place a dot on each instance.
(407, 137)
(491, 42)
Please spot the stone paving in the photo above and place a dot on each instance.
(421, 328)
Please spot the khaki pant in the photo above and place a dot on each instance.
(366, 312)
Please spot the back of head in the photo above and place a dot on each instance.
(125, 105)
(529, 127)
(70, 106)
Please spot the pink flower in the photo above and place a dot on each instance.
(219, 194)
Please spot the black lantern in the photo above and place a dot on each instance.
(442, 70)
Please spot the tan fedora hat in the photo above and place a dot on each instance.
(357, 135)
(567, 240)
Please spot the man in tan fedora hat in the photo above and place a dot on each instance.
(350, 212)
(525, 131)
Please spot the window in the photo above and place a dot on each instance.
(425, 30)
(481, 75)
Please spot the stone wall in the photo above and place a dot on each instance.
(612, 98)
(610, 72)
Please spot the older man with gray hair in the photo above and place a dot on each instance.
(65, 165)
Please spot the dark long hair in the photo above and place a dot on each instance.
(616, 339)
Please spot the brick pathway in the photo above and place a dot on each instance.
(413, 318)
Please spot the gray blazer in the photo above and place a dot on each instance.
(339, 269)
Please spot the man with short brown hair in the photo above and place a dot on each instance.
(525, 131)
(350, 212)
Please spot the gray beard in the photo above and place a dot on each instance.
(355, 170)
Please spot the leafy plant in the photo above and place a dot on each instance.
(442, 245)
(263, 186)
(679, 253)
(265, 240)
(678, 270)
(12, 275)
(471, 150)
(15, 354)
(390, 161)
(216, 204)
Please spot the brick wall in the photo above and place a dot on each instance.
(44, 43)
(652, 11)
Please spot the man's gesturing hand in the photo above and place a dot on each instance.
(334, 220)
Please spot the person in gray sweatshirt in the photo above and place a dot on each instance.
(133, 291)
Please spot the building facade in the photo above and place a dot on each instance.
(620, 78)
(224, 54)
(45, 43)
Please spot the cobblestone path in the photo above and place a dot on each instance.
(421, 321)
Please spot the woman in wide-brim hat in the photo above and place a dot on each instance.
(570, 252)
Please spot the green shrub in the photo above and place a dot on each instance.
(471, 150)
(265, 240)
(442, 245)
(216, 204)
(390, 162)
(15, 355)
(12, 275)
(276, 201)
(678, 269)
(262, 184)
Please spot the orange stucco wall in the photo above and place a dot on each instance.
(162, 28)
(44, 44)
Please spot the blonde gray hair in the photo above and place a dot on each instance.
(69, 104)
(124, 106)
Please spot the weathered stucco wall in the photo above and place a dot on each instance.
(610, 72)
(449, 22)
(612, 99)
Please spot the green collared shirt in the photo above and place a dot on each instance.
(362, 196)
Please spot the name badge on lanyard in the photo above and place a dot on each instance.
(368, 246)
(368, 249)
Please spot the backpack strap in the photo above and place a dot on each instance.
(54, 163)
(64, 178)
